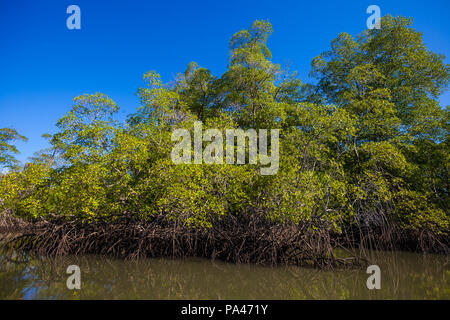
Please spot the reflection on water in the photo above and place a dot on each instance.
(403, 276)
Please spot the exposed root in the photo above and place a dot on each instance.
(244, 240)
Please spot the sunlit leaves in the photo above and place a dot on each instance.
(7, 149)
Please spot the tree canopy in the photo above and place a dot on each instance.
(365, 146)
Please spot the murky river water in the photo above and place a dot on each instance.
(403, 276)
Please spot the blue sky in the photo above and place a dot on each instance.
(43, 65)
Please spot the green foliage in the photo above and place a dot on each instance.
(7, 149)
(25, 192)
(87, 129)
(390, 82)
(368, 144)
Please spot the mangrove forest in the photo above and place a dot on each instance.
(363, 160)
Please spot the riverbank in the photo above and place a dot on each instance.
(250, 240)
(238, 240)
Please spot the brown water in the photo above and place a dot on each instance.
(403, 276)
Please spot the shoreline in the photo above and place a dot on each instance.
(251, 241)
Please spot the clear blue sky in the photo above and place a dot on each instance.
(43, 65)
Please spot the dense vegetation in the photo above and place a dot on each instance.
(364, 153)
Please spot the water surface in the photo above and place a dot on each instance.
(403, 276)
